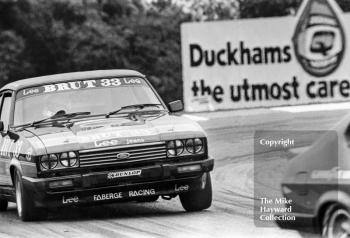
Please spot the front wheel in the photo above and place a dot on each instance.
(200, 199)
(336, 223)
(25, 206)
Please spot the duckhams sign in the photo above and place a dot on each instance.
(268, 61)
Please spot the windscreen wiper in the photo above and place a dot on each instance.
(58, 115)
(140, 106)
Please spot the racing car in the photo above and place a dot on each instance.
(318, 184)
(97, 137)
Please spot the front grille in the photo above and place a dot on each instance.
(147, 152)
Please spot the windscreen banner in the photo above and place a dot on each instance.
(268, 62)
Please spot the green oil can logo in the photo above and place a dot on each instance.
(319, 40)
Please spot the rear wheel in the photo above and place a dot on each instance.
(198, 200)
(336, 223)
(3, 205)
(25, 206)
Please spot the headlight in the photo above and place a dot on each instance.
(73, 159)
(194, 146)
(69, 159)
(64, 159)
(59, 161)
(48, 161)
(175, 147)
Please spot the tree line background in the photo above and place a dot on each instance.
(41, 37)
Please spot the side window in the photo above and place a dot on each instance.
(6, 110)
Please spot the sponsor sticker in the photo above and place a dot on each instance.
(135, 141)
(10, 148)
(89, 128)
(138, 192)
(80, 85)
(105, 143)
(182, 188)
(107, 137)
(120, 174)
(142, 192)
(70, 200)
(108, 196)
(114, 142)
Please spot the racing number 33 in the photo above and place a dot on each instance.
(117, 82)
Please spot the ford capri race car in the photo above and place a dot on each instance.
(318, 184)
(97, 137)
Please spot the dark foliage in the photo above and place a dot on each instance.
(40, 37)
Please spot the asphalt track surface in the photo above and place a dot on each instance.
(231, 214)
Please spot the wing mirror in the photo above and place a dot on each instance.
(12, 135)
(176, 106)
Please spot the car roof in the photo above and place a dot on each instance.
(56, 78)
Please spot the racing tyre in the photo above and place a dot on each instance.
(152, 198)
(25, 207)
(336, 223)
(3, 205)
(198, 200)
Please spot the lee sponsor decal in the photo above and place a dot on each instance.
(69, 200)
(119, 174)
(108, 196)
(30, 91)
(79, 85)
(182, 188)
(135, 141)
(119, 135)
(252, 64)
(142, 192)
(114, 142)
(104, 143)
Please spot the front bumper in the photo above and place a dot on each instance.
(118, 185)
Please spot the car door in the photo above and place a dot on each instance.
(5, 141)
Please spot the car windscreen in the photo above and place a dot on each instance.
(98, 96)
